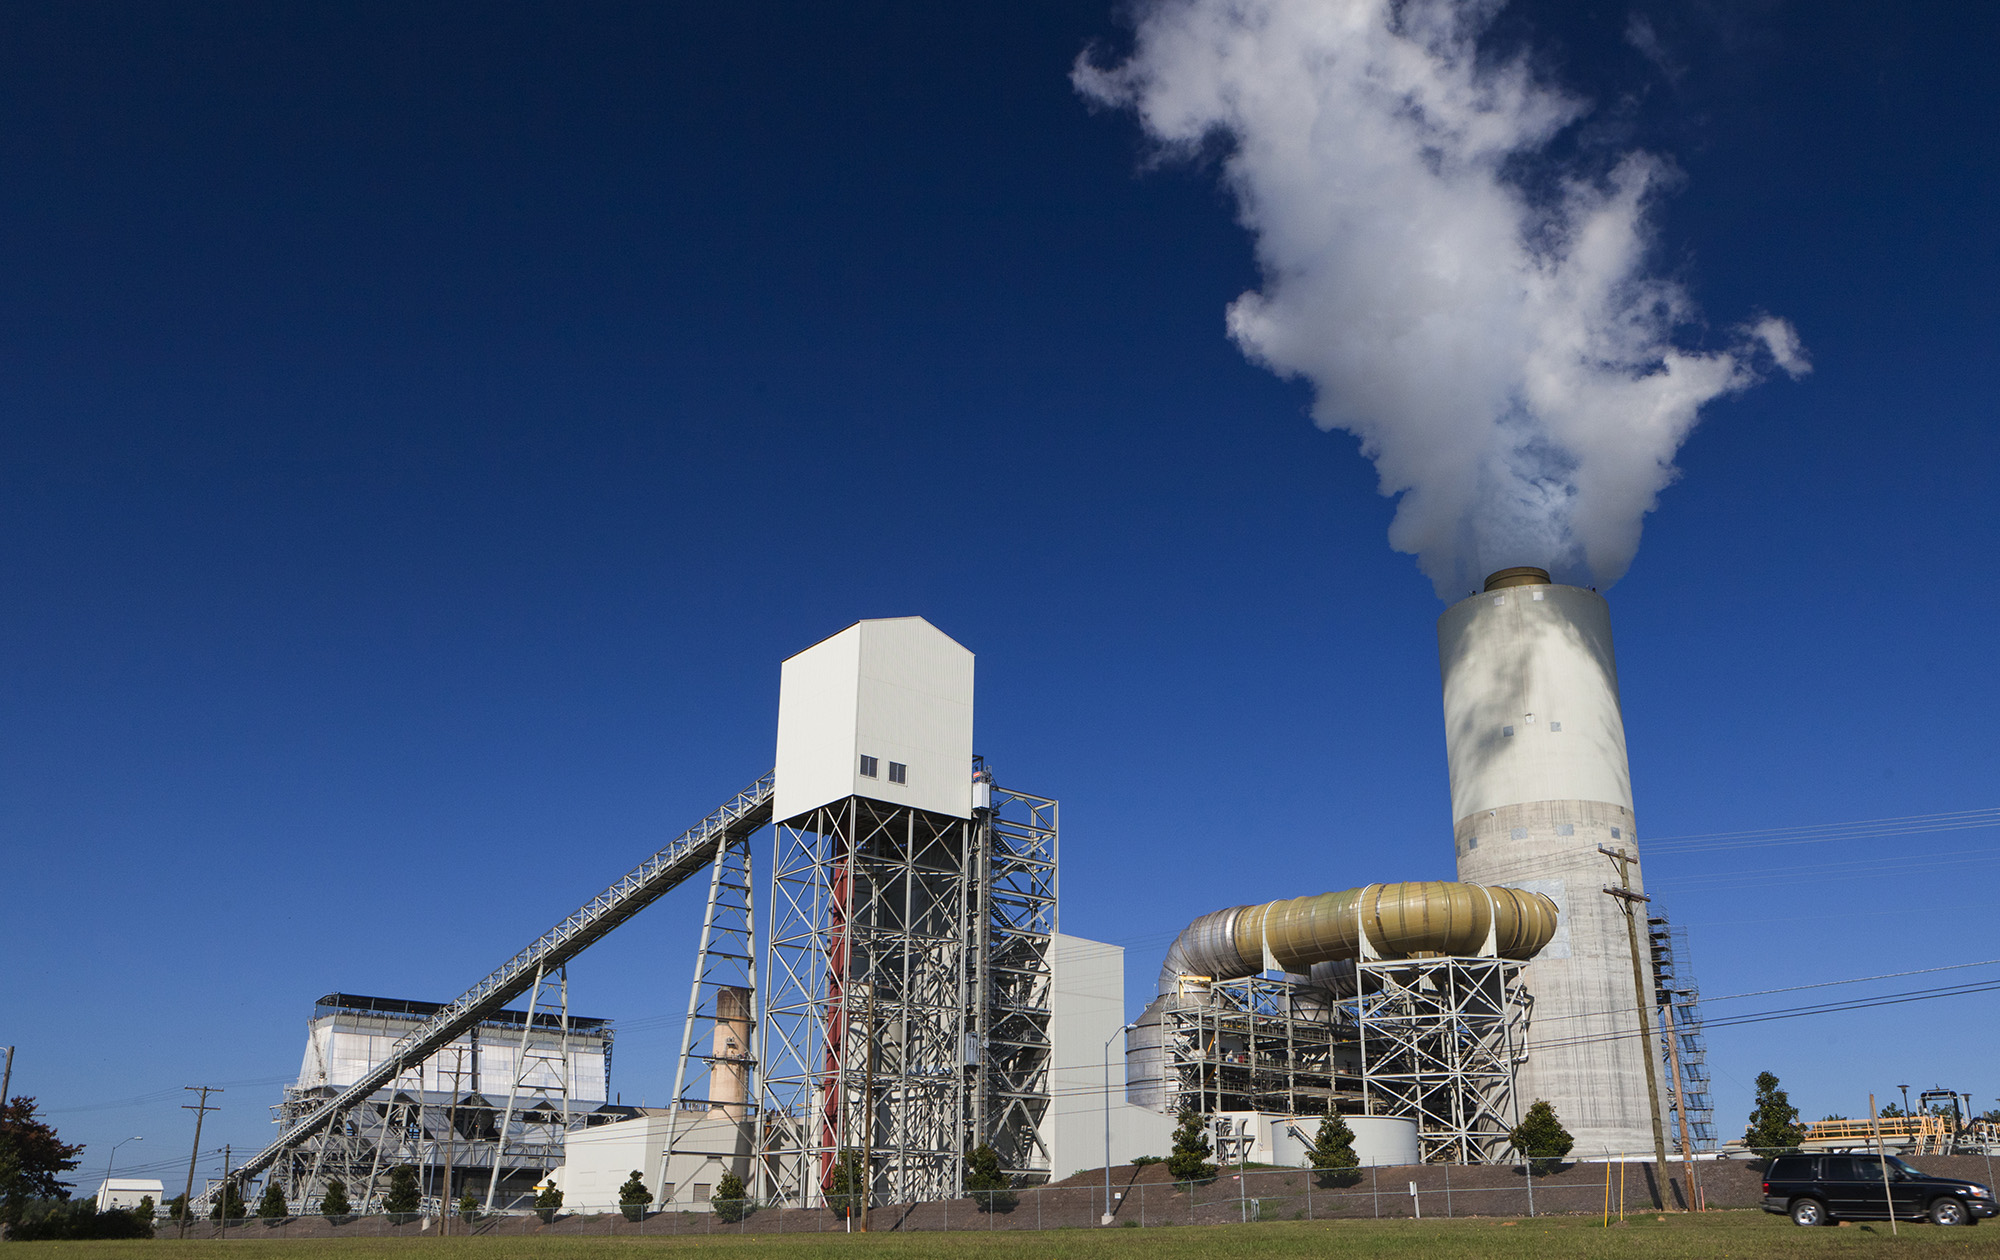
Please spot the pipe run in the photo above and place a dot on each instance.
(1406, 920)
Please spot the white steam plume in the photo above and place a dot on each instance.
(1506, 359)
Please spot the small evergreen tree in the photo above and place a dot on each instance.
(731, 1200)
(1189, 1161)
(1774, 1123)
(1541, 1137)
(850, 1182)
(990, 1189)
(633, 1196)
(229, 1203)
(468, 1207)
(273, 1206)
(1333, 1150)
(146, 1209)
(403, 1197)
(548, 1203)
(177, 1207)
(333, 1204)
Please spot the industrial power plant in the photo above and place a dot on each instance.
(883, 982)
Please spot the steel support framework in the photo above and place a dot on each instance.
(452, 1122)
(1258, 1044)
(1675, 988)
(1014, 912)
(1439, 1041)
(865, 1021)
(717, 1069)
(314, 1112)
(908, 1009)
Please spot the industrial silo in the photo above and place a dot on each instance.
(1539, 786)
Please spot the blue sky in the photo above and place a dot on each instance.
(423, 432)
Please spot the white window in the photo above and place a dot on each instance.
(867, 767)
(1538, 596)
(1506, 730)
(898, 772)
(1555, 726)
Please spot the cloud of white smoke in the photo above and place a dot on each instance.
(1506, 358)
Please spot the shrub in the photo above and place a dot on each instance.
(468, 1207)
(403, 1197)
(48, 1220)
(273, 1206)
(1541, 1137)
(1332, 1155)
(990, 1189)
(730, 1200)
(848, 1184)
(333, 1204)
(1141, 1161)
(229, 1203)
(1189, 1162)
(548, 1203)
(633, 1196)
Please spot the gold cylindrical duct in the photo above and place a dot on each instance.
(1407, 920)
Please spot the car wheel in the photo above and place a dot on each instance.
(1808, 1212)
(1949, 1212)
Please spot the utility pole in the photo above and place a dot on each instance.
(222, 1200)
(868, 1108)
(451, 1142)
(1680, 1103)
(200, 1111)
(1629, 902)
(7, 1077)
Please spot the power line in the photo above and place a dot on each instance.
(1819, 833)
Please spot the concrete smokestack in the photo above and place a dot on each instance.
(1539, 780)
(729, 1060)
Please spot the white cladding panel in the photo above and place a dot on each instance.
(1531, 700)
(1087, 1010)
(898, 690)
(344, 1046)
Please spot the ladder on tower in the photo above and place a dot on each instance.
(691, 854)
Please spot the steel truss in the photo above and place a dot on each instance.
(1258, 1044)
(1439, 1040)
(1679, 998)
(716, 1072)
(449, 1131)
(342, 1112)
(1014, 912)
(907, 1014)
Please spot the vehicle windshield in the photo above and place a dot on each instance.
(1897, 1168)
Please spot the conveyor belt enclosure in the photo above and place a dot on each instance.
(690, 854)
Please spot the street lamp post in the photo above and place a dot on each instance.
(112, 1156)
(1906, 1098)
(1106, 1218)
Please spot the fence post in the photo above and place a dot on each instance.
(1447, 1191)
(1375, 1187)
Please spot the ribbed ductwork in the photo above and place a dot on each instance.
(1317, 939)
(1406, 920)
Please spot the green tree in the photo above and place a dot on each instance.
(229, 1203)
(32, 1159)
(633, 1196)
(1774, 1123)
(403, 1197)
(334, 1202)
(548, 1203)
(468, 1207)
(177, 1207)
(1333, 1151)
(145, 1209)
(1541, 1137)
(849, 1183)
(273, 1206)
(1189, 1161)
(731, 1199)
(991, 1190)
(1890, 1111)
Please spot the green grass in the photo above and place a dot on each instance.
(1713, 1236)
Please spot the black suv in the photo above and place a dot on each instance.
(1822, 1189)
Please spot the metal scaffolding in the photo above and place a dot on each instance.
(439, 1115)
(1440, 1039)
(1679, 999)
(907, 1016)
(1014, 913)
(1259, 1044)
